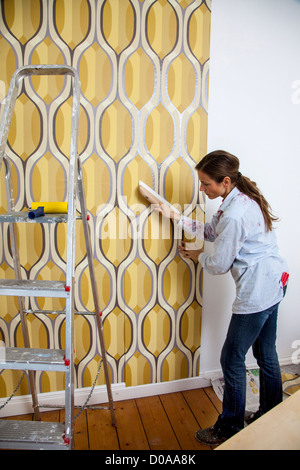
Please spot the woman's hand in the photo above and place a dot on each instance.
(191, 254)
(166, 211)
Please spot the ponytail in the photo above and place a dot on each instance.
(248, 187)
(219, 164)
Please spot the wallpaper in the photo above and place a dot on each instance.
(144, 70)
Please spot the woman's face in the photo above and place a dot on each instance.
(213, 189)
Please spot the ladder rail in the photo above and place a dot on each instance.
(7, 116)
(70, 265)
(72, 181)
(98, 312)
(17, 270)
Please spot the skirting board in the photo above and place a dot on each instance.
(23, 404)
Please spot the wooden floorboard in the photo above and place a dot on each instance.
(158, 429)
(183, 421)
(101, 434)
(130, 430)
(163, 422)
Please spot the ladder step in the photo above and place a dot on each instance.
(27, 288)
(33, 359)
(23, 217)
(32, 435)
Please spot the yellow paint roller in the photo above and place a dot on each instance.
(51, 207)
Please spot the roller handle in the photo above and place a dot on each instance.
(33, 214)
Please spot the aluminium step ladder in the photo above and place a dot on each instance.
(37, 434)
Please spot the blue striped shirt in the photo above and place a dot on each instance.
(243, 246)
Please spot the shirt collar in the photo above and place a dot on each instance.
(228, 199)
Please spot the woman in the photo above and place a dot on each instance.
(245, 244)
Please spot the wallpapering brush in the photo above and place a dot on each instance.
(153, 197)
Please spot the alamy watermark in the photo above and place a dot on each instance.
(296, 353)
(296, 92)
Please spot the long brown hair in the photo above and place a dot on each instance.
(219, 164)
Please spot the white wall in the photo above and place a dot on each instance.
(254, 112)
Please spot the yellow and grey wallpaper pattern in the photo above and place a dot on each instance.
(144, 68)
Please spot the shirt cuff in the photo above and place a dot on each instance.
(180, 221)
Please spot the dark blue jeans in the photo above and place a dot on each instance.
(259, 331)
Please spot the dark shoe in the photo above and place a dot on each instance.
(216, 434)
(253, 417)
(210, 436)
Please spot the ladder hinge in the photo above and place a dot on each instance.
(66, 361)
(66, 440)
(67, 288)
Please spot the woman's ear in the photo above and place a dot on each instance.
(227, 181)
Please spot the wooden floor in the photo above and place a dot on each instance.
(164, 422)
